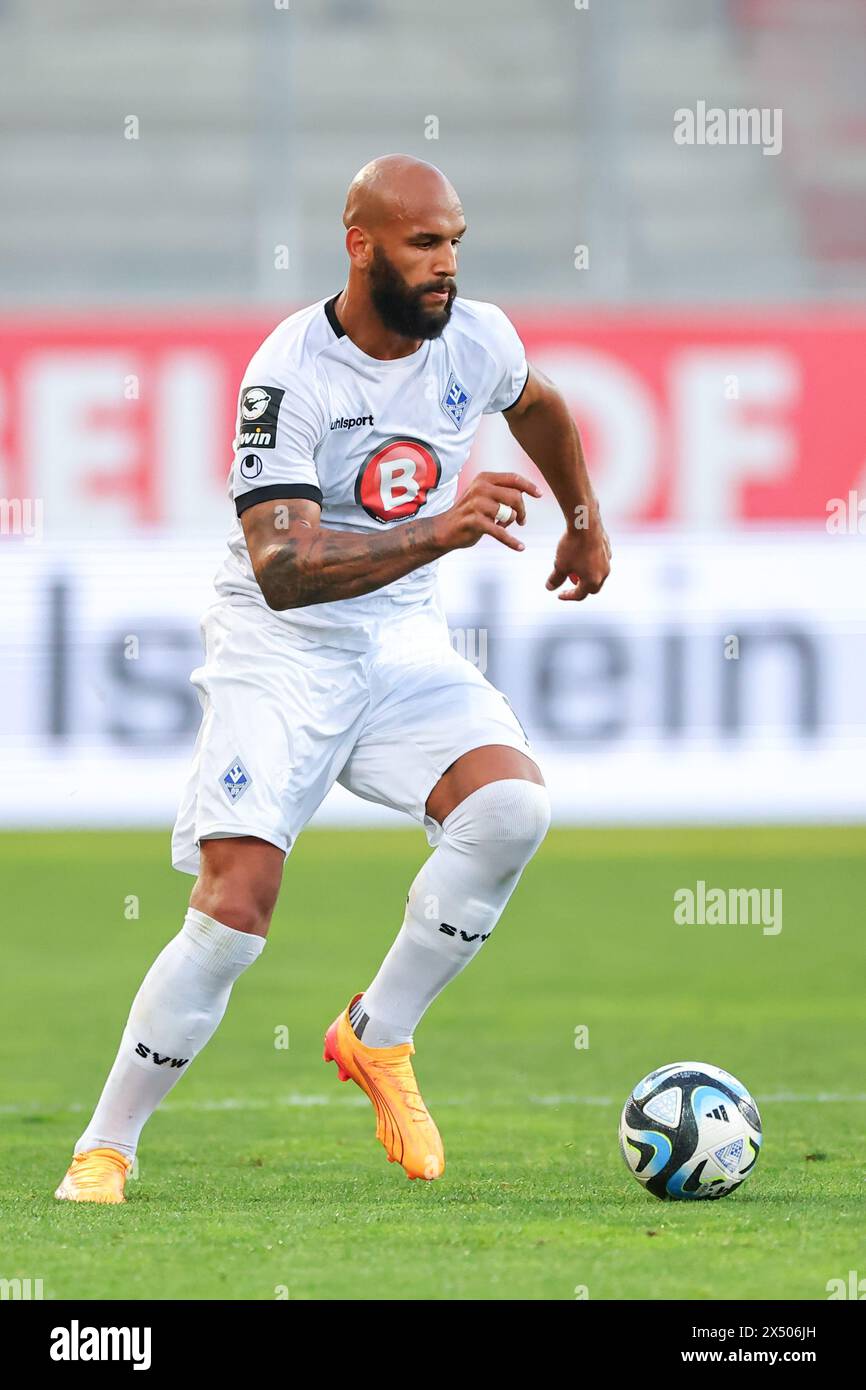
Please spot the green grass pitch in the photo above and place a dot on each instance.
(261, 1178)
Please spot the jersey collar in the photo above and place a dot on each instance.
(390, 365)
(331, 316)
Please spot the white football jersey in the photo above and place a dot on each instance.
(374, 443)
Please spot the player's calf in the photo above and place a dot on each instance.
(177, 1010)
(454, 903)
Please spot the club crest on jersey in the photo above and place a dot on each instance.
(455, 401)
(259, 412)
(235, 780)
(396, 477)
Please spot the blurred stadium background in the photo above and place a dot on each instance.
(173, 178)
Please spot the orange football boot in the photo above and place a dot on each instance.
(97, 1175)
(403, 1123)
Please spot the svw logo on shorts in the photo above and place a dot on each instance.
(235, 780)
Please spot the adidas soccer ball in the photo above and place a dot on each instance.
(690, 1131)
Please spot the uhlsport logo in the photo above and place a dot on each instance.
(396, 477)
(351, 422)
(251, 466)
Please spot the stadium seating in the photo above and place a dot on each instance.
(557, 133)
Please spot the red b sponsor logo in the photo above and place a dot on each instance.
(395, 479)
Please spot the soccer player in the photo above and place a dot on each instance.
(328, 656)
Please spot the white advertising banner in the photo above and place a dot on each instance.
(713, 679)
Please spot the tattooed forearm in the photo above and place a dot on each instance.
(316, 566)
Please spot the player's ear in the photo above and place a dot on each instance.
(358, 247)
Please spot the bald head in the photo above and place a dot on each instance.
(395, 188)
(403, 225)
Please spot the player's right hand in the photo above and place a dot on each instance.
(474, 514)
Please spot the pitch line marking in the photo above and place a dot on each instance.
(302, 1101)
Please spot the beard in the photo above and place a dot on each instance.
(400, 306)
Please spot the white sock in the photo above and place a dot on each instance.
(454, 904)
(177, 1009)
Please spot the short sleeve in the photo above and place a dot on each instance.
(279, 427)
(509, 356)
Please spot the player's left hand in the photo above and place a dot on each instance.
(583, 556)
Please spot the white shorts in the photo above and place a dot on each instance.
(285, 716)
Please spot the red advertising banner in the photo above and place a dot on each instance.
(695, 419)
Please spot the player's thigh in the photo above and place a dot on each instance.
(429, 717)
(279, 719)
(492, 762)
(239, 882)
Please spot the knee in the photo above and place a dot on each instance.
(235, 892)
(511, 816)
(234, 910)
(234, 905)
